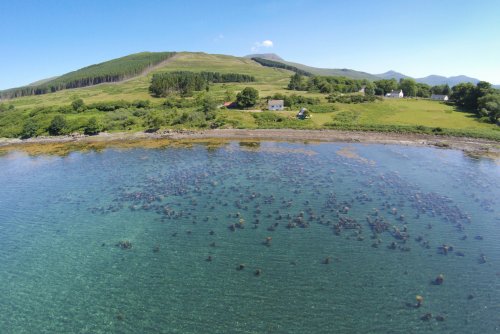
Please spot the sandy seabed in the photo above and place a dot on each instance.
(472, 146)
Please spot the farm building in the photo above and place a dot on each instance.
(229, 105)
(275, 105)
(395, 94)
(439, 97)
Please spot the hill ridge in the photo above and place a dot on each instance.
(53, 84)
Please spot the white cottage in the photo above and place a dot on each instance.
(395, 94)
(275, 104)
(439, 97)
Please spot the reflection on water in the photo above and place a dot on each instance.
(250, 238)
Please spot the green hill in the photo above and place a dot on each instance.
(128, 105)
(267, 80)
(111, 71)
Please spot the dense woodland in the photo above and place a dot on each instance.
(185, 83)
(110, 71)
(410, 88)
(481, 98)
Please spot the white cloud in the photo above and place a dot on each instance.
(267, 43)
(219, 38)
(264, 44)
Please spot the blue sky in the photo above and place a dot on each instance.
(40, 39)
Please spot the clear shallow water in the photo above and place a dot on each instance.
(341, 258)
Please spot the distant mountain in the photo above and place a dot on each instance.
(431, 80)
(392, 75)
(434, 80)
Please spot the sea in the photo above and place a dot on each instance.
(250, 237)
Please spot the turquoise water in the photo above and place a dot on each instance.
(357, 232)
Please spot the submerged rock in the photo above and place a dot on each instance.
(439, 280)
(124, 244)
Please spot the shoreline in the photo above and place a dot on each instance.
(471, 146)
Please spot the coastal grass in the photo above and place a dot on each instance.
(412, 116)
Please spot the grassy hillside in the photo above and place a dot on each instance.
(110, 71)
(268, 81)
(410, 115)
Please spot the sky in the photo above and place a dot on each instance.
(42, 39)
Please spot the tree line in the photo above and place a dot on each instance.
(327, 84)
(277, 64)
(335, 84)
(185, 83)
(410, 88)
(481, 98)
(110, 71)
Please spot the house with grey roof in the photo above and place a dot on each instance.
(395, 94)
(275, 104)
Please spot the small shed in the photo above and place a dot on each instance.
(275, 104)
(395, 94)
(439, 97)
(229, 105)
(303, 114)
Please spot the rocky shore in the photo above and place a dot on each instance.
(472, 146)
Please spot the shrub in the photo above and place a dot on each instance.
(57, 126)
(139, 113)
(247, 97)
(78, 105)
(353, 98)
(272, 120)
(30, 129)
(154, 121)
(179, 103)
(207, 105)
(346, 117)
(109, 106)
(322, 108)
(142, 104)
(93, 126)
(65, 110)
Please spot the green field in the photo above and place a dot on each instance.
(404, 115)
